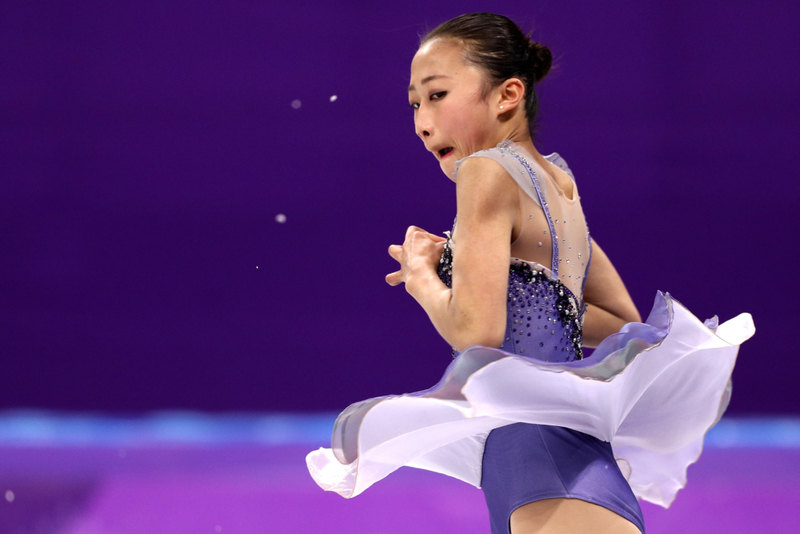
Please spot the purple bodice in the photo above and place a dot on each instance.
(543, 316)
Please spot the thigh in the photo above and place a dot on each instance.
(525, 464)
(568, 516)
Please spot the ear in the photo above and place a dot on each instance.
(509, 95)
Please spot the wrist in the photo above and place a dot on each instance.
(420, 277)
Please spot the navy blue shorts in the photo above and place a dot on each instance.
(524, 463)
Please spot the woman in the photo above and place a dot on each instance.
(516, 291)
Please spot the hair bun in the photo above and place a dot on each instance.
(541, 59)
(497, 46)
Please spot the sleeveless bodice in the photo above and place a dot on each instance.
(650, 391)
(544, 309)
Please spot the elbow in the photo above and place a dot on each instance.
(487, 334)
(494, 337)
(632, 316)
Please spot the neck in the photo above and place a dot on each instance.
(521, 135)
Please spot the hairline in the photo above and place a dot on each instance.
(489, 81)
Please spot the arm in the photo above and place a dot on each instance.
(474, 310)
(608, 304)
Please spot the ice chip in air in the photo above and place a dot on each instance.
(296, 104)
(280, 218)
(333, 98)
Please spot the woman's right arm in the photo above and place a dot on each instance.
(608, 305)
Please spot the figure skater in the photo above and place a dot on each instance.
(558, 443)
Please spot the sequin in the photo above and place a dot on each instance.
(530, 285)
(544, 292)
(445, 270)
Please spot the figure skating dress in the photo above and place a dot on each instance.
(533, 419)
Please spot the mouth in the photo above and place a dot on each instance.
(443, 153)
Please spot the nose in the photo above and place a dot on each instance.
(422, 124)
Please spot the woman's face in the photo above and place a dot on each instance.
(450, 114)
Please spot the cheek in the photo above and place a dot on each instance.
(462, 121)
(471, 128)
(452, 117)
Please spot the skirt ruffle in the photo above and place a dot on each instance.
(652, 390)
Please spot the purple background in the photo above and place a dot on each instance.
(146, 149)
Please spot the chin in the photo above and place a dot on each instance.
(447, 168)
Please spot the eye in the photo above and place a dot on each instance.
(439, 95)
(414, 105)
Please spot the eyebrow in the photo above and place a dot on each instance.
(427, 79)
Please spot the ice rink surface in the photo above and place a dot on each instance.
(178, 473)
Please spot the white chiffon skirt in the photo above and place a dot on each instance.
(652, 390)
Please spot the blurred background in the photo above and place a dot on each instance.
(196, 199)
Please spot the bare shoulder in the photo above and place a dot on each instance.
(480, 165)
(483, 180)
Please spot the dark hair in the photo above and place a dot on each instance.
(496, 44)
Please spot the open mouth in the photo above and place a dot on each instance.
(445, 151)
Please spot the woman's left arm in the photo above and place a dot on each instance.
(474, 310)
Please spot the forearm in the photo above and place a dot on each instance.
(608, 304)
(456, 324)
(473, 310)
(598, 324)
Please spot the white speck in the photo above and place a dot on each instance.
(280, 218)
(296, 104)
(333, 98)
(123, 453)
(9, 496)
(256, 266)
(218, 528)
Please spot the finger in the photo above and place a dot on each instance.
(412, 229)
(433, 237)
(421, 237)
(394, 278)
(396, 251)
